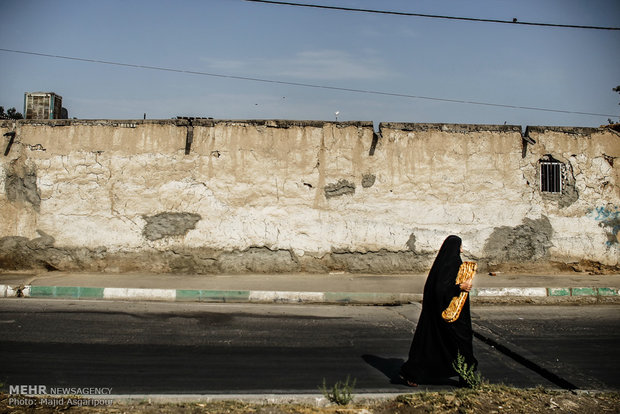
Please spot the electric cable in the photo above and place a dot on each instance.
(305, 85)
(433, 16)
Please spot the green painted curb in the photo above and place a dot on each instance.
(558, 291)
(213, 295)
(66, 292)
(583, 291)
(188, 295)
(42, 291)
(241, 296)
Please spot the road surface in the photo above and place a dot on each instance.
(197, 348)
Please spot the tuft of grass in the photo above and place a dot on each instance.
(340, 393)
(473, 379)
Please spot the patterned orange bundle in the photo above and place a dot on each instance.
(466, 273)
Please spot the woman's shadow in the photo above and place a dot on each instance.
(390, 367)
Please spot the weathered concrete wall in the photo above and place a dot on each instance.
(585, 217)
(211, 196)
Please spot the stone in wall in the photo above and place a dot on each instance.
(340, 188)
(17, 253)
(570, 193)
(528, 242)
(258, 260)
(20, 184)
(186, 261)
(169, 224)
(379, 262)
(368, 180)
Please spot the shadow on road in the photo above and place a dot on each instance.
(390, 367)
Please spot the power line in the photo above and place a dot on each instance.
(305, 85)
(433, 16)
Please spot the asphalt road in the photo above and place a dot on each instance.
(579, 344)
(193, 348)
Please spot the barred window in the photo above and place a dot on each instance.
(551, 176)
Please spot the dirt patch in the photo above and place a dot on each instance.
(491, 399)
(379, 262)
(258, 260)
(21, 253)
(593, 268)
(500, 399)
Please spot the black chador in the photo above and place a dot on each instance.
(436, 342)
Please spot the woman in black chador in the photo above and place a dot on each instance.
(436, 343)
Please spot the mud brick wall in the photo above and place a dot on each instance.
(221, 196)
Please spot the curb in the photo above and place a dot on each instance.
(265, 296)
(199, 295)
(545, 292)
(313, 399)
(316, 400)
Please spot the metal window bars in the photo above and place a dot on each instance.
(551, 177)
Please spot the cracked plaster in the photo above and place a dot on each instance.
(258, 189)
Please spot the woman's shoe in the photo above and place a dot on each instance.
(407, 381)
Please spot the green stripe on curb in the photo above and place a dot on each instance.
(607, 292)
(66, 292)
(558, 291)
(224, 295)
(213, 295)
(583, 291)
(42, 291)
(189, 295)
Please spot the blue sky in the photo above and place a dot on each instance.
(554, 68)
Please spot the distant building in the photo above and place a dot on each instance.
(44, 105)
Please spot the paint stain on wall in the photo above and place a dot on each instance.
(608, 217)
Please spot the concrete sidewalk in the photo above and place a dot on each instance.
(305, 288)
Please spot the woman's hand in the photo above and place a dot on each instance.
(465, 286)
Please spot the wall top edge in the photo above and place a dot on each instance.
(405, 126)
(275, 123)
(466, 128)
(285, 123)
(564, 129)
